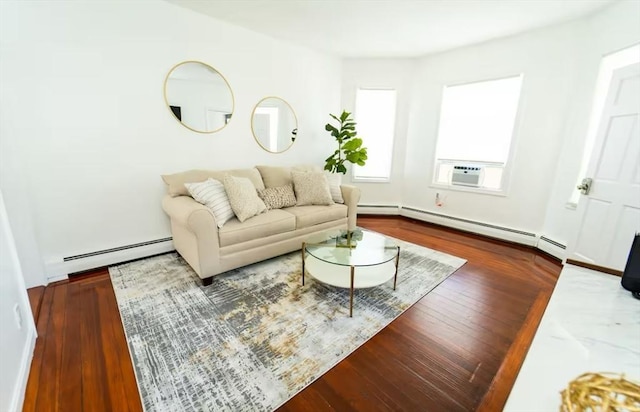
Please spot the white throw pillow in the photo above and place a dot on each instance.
(311, 188)
(211, 193)
(335, 180)
(243, 197)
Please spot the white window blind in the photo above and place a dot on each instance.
(476, 127)
(375, 116)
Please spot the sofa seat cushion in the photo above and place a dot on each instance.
(263, 225)
(314, 215)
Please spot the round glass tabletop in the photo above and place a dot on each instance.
(357, 248)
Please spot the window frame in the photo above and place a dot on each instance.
(357, 179)
(511, 157)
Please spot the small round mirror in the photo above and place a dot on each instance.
(274, 124)
(198, 96)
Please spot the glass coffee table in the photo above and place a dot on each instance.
(353, 260)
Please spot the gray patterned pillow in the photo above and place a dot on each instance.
(278, 197)
(311, 188)
(243, 197)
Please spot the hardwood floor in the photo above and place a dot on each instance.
(458, 349)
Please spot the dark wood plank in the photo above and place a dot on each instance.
(71, 369)
(35, 300)
(32, 391)
(599, 268)
(95, 384)
(498, 392)
(50, 377)
(120, 374)
(458, 349)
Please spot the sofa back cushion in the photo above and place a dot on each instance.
(175, 182)
(278, 176)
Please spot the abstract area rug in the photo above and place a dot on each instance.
(255, 337)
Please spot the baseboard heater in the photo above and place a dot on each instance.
(473, 222)
(116, 249)
(381, 206)
(378, 209)
(553, 242)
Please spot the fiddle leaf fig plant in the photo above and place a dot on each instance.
(349, 145)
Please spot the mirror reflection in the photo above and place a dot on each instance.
(198, 96)
(274, 124)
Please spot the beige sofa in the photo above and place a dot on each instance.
(211, 251)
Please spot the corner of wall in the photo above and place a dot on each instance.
(17, 400)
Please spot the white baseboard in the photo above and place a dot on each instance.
(552, 247)
(498, 232)
(17, 400)
(60, 269)
(378, 209)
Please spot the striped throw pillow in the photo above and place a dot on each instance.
(211, 193)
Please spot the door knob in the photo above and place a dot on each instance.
(585, 186)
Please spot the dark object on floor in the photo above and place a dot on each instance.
(631, 275)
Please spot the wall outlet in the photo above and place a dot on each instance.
(17, 315)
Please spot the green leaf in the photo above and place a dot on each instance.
(353, 144)
(349, 145)
(329, 127)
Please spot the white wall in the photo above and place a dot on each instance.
(83, 115)
(559, 64)
(545, 57)
(616, 28)
(16, 344)
(384, 74)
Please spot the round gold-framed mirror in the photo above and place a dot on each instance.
(198, 96)
(274, 124)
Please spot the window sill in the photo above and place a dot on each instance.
(477, 190)
(370, 180)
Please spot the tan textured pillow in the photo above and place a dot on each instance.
(278, 197)
(311, 188)
(243, 197)
(176, 181)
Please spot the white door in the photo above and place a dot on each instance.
(609, 215)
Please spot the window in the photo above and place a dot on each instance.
(375, 117)
(474, 136)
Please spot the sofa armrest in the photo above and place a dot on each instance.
(195, 233)
(351, 196)
(188, 213)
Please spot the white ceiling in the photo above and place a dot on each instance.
(391, 28)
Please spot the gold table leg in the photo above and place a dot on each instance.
(351, 296)
(395, 276)
(303, 248)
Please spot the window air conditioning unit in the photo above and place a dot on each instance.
(466, 175)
